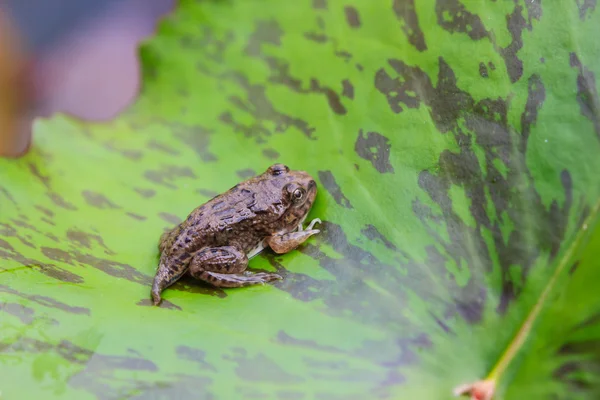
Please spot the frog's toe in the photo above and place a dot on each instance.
(313, 223)
(267, 277)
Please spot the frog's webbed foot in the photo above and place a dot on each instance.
(289, 241)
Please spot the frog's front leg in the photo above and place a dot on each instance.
(224, 267)
(289, 241)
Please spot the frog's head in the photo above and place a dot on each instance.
(298, 192)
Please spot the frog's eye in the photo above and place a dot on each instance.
(278, 169)
(298, 193)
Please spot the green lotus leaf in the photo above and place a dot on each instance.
(456, 148)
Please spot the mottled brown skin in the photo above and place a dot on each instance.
(216, 240)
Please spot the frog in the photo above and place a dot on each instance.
(218, 238)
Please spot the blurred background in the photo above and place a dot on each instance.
(72, 56)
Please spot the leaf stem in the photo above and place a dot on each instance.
(523, 332)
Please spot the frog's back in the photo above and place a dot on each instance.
(239, 216)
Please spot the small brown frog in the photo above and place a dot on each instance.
(218, 238)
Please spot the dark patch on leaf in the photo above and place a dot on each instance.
(407, 15)
(454, 17)
(328, 181)
(46, 301)
(267, 32)
(352, 16)
(587, 94)
(372, 233)
(245, 173)
(55, 197)
(483, 71)
(515, 23)
(261, 368)
(98, 200)
(319, 4)
(488, 124)
(156, 145)
(270, 154)
(7, 194)
(194, 355)
(47, 212)
(136, 216)
(347, 89)
(168, 174)
(573, 267)
(86, 239)
(586, 8)
(109, 267)
(147, 193)
(196, 137)
(134, 155)
(170, 218)
(25, 314)
(5, 245)
(375, 148)
(61, 202)
(263, 111)
(285, 338)
(207, 193)
(315, 37)
(7, 252)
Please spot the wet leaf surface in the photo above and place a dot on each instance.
(455, 145)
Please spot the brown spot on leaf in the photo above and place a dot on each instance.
(328, 181)
(270, 154)
(319, 4)
(483, 71)
(352, 16)
(134, 155)
(196, 137)
(245, 173)
(260, 368)
(136, 216)
(207, 193)
(98, 200)
(372, 233)
(47, 212)
(7, 194)
(587, 93)
(454, 17)
(170, 218)
(194, 355)
(167, 174)
(86, 239)
(375, 148)
(162, 147)
(407, 15)
(25, 314)
(316, 37)
(586, 8)
(46, 301)
(516, 23)
(348, 89)
(147, 193)
(109, 267)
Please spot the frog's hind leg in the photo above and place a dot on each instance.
(168, 273)
(224, 267)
